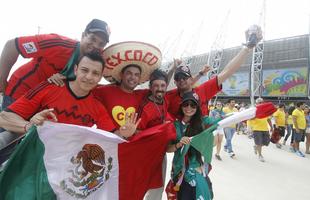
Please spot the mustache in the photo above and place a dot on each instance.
(160, 91)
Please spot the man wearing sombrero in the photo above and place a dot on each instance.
(128, 64)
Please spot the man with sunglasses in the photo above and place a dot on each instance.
(184, 81)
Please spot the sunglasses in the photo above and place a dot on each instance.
(191, 104)
(181, 77)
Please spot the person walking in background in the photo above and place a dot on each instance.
(280, 121)
(307, 115)
(260, 132)
(289, 127)
(299, 127)
(217, 113)
(229, 131)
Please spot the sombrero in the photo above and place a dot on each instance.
(119, 55)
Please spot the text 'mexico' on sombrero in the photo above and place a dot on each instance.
(119, 55)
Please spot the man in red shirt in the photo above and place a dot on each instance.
(73, 104)
(50, 53)
(152, 112)
(129, 64)
(207, 90)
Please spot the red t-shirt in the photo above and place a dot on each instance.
(152, 114)
(118, 102)
(50, 54)
(205, 92)
(68, 108)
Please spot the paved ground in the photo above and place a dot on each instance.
(284, 175)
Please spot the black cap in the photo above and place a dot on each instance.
(193, 96)
(184, 70)
(97, 25)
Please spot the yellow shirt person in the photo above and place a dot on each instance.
(279, 117)
(299, 115)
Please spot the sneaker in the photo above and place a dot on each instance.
(232, 154)
(255, 150)
(292, 150)
(279, 145)
(284, 142)
(218, 157)
(261, 158)
(298, 153)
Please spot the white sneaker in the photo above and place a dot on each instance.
(261, 158)
(232, 154)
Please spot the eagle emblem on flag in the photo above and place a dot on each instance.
(90, 171)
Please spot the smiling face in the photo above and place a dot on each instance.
(92, 42)
(183, 82)
(189, 108)
(130, 78)
(88, 74)
(158, 89)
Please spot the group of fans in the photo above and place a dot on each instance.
(288, 121)
(60, 83)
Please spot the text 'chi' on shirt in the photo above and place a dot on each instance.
(118, 102)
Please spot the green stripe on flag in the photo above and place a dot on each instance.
(24, 177)
(204, 143)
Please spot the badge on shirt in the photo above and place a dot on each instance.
(30, 47)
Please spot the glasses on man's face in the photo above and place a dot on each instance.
(181, 77)
(191, 104)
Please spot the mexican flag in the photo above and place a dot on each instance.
(61, 161)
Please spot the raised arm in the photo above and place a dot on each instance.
(253, 36)
(173, 66)
(201, 73)
(8, 58)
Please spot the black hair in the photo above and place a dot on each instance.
(158, 74)
(194, 128)
(94, 56)
(230, 100)
(281, 105)
(131, 65)
(300, 103)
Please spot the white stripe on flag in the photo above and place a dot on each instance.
(80, 162)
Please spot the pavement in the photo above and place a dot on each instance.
(284, 175)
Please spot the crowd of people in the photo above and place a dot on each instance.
(289, 121)
(61, 83)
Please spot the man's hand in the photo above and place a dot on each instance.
(253, 36)
(130, 126)
(41, 117)
(57, 79)
(205, 70)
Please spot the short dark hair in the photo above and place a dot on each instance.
(94, 56)
(131, 65)
(300, 103)
(230, 100)
(281, 105)
(158, 74)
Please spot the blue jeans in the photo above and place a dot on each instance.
(229, 133)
